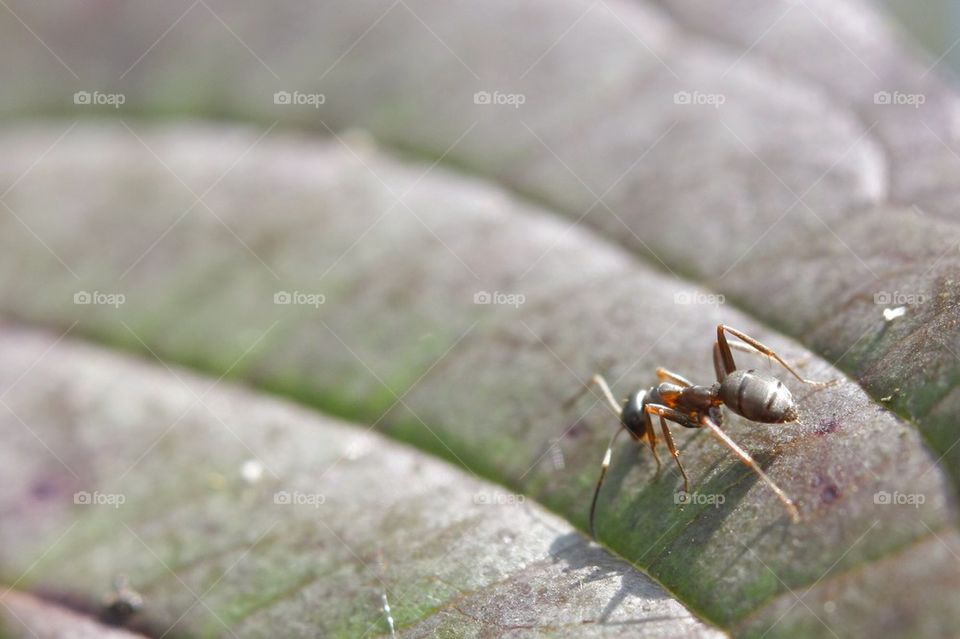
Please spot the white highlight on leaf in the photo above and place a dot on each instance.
(251, 471)
(891, 314)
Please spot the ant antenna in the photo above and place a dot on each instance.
(603, 474)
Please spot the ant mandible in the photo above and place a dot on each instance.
(748, 393)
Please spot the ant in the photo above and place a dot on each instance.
(749, 393)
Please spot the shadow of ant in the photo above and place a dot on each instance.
(579, 554)
(655, 512)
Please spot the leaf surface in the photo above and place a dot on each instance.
(236, 515)
(804, 199)
(484, 385)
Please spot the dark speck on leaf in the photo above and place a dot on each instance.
(575, 431)
(43, 489)
(829, 491)
(827, 426)
(830, 494)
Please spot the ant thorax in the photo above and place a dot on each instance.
(688, 399)
(701, 398)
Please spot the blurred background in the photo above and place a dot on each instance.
(934, 24)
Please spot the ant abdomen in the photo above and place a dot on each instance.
(758, 397)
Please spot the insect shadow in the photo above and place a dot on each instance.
(579, 555)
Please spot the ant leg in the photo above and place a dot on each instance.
(726, 357)
(760, 348)
(666, 413)
(718, 364)
(665, 375)
(749, 461)
(673, 451)
(598, 381)
(603, 475)
(743, 348)
(652, 439)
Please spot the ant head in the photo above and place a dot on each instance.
(633, 416)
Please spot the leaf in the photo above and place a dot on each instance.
(27, 615)
(774, 199)
(399, 341)
(793, 200)
(244, 516)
